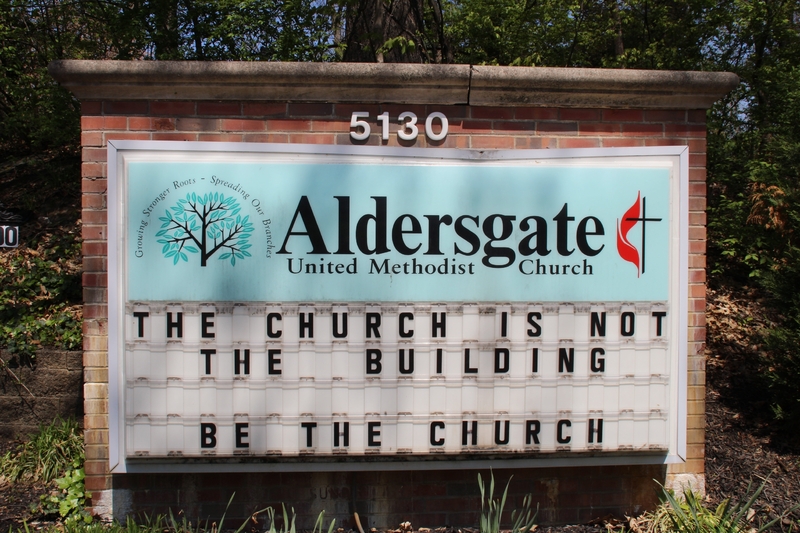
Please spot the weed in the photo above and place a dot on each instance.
(48, 453)
(492, 510)
(690, 515)
(69, 501)
(289, 525)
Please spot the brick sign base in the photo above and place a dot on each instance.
(487, 108)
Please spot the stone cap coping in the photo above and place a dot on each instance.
(392, 83)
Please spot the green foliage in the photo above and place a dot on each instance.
(48, 453)
(38, 290)
(81, 523)
(754, 178)
(35, 113)
(69, 501)
(630, 33)
(690, 515)
(492, 510)
(288, 525)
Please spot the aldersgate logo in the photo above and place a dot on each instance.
(636, 214)
(204, 226)
(560, 241)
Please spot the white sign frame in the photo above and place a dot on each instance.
(118, 151)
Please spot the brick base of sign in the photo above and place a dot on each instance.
(426, 498)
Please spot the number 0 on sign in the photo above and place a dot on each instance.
(305, 307)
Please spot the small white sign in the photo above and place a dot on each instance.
(9, 236)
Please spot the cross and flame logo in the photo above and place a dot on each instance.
(635, 214)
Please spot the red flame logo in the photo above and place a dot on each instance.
(626, 250)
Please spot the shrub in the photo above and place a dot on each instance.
(690, 515)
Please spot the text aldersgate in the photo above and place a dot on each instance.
(374, 233)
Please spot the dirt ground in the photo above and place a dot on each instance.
(739, 446)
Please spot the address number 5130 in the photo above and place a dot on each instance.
(408, 130)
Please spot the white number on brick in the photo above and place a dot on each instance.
(408, 131)
(429, 129)
(363, 124)
(383, 118)
(409, 122)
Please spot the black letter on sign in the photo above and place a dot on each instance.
(307, 325)
(434, 440)
(309, 426)
(598, 365)
(658, 314)
(208, 434)
(312, 231)
(362, 229)
(410, 368)
(344, 434)
(205, 324)
(598, 324)
(534, 360)
(373, 323)
(272, 362)
(626, 324)
(208, 353)
(566, 359)
(467, 368)
(598, 431)
(562, 220)
(501, 360)
(580, 236)
(140, 315)
(439, 325)
(271, 333)
(373, 433)
(344, 225)
(439, 362)
(336, 333)
(532, 428)
(405, 333)
(465, 431)
(374, 365)
(241, 435)
(560, 437)
(177, 324)
(535, 330)
(497, 438)
(239, 362)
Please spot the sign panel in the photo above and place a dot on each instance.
(285, 305)
(9, 236)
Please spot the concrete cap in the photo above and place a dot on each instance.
(400, 83)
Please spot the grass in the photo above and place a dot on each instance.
(47, 454)
(168, 523)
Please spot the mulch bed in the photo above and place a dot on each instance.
(16, 498)
(741, 449)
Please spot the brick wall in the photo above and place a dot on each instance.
(426, 498)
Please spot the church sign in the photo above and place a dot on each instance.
(287, 305)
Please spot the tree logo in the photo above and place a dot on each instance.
(206, 225)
